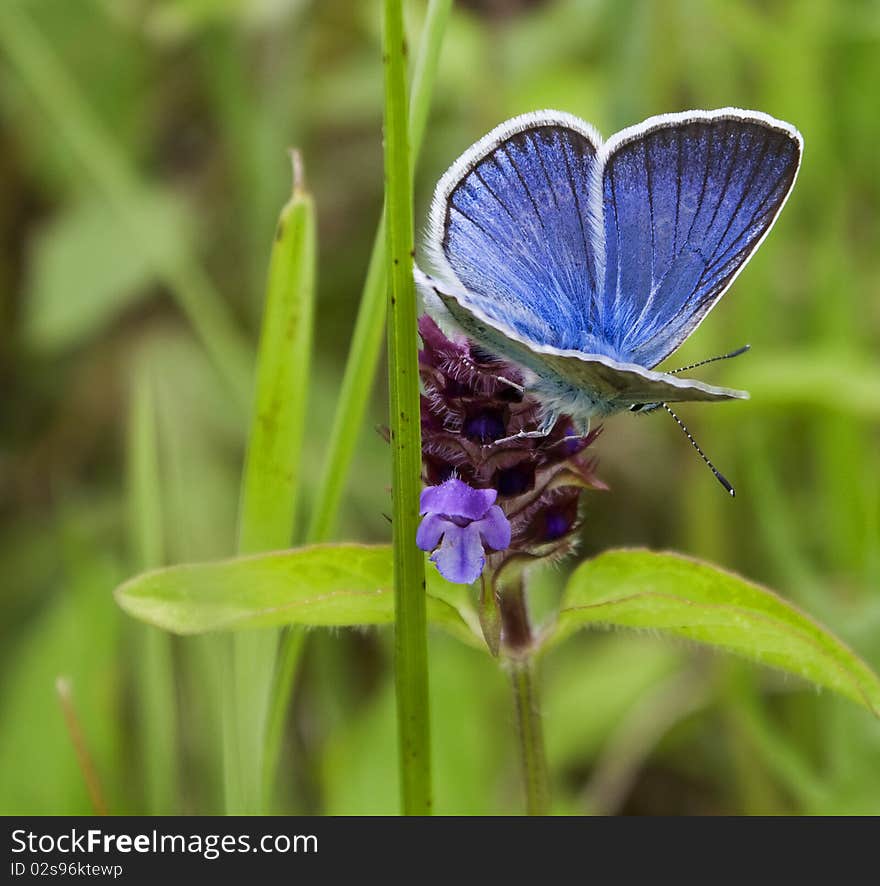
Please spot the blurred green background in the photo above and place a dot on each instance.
(142, 166)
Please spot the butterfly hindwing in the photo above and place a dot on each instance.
(610, 385)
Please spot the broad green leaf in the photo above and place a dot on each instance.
(674, 594)
(340, 585)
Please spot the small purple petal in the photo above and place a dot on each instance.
(455, 498)
(460, 558)
(494, 529)
(430, 532)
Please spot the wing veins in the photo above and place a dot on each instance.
(522, 181)
(755, 215)
(746, 191)
(687, 239)
(675, 251)
(546, 174)
(649, 300)
(758, 213)
(476, 224)
(491, 190)
(616, 231)
(577, 204)
(724, 189)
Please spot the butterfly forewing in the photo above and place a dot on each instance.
(687, 200)
(589, 263)
(517, 231)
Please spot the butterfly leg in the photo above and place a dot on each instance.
(541, 432)
(509, 383)
(583, 428)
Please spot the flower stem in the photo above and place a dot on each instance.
(517, 640)
(531, 736)
(411, 647)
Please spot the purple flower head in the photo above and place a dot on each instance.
(469, 403)
(497, 501)
(460, 522)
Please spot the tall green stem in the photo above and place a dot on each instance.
(517, 643)
(359, 376)
(531, 737)
(411, 647)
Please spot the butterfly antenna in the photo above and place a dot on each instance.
(718, 475)
(729, 356)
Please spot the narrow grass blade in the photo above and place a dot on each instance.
(271, 475)
(157, 720)
(271, 478)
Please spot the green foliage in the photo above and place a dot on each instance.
(410, 631)
(142, 163)
(157, 704)
(272, 469)
(271, 479)
(349, 586)
(40, 769)
(698, 601)
(342, 585)
(363, 354)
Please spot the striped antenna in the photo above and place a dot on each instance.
(718, 475)
(732, 354)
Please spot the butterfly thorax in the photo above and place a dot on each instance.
(563, 398)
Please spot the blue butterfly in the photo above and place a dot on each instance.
(590, 262)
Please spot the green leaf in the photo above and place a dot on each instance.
(687, 598)
(270, 486)
(272, 469)
(340, 585)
